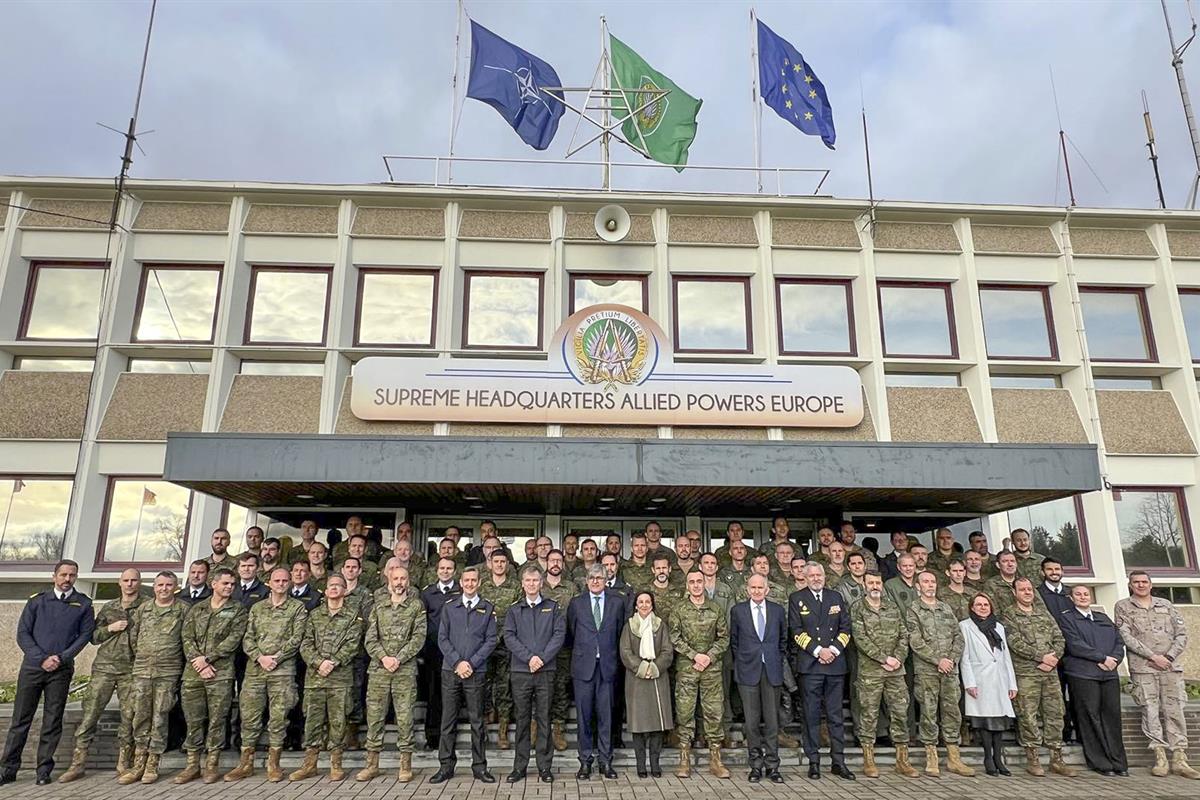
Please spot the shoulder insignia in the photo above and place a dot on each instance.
(35, 594)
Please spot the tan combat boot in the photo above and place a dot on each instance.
(533, 731)
(502, 733)
(787, 740)
(274, 771)
(245, 767)
(124, 759)
(192, 770)
(1058, 766)
(405, 774)
(212, 767)
(350, 740)
(685, 761)
(954, 762)
(1161, 768)
(150, 774)
(903, 765)
(136, 768)
(371, 770)
(1180, 766)
(336, 773)
(931, 761)
(869, 768)
(715, 766)
(560, 737)
(309, 768)
(78, 766)
(1033, 762)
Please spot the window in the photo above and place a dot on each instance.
(594, 289)
(1135, 384)
(1117, 323)
(283, 368)
(918, 379)
(712, 315)
(288, 306)
(145, 522)
(33, 518)
(62, 302)
(917, 320)
(1017, 322)
(396, 308)
(177, 304)
(39, 364)
(169, 365)
(503, 310)
(1154, 529)
(815, 317)
(1025, 382)
(1056, 529)
(1189, 301)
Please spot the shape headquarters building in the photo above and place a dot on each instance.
(245, 354)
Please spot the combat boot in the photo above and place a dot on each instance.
(212, 767)
(124, 759)
(1161, 768)
(309, 768)
(903, 765)
(560, 737)
(245, 767)
(150, 774)
(192, 770)
(350, 740)
(371, 770)
(954, 762)
(715, 766)
(1033, 763)
(78, 766)
(502, 734)
(787, 740)
(869, 768)
(931, 761)
(1180, 766)
(1058, 766)
(274, 771)
(685, 761)
(405, 774)
(336, 773)
(136, 768)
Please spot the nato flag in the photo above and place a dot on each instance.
(790, 86)
(510, 80)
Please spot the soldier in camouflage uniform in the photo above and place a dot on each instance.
(902, 589)
(273, 633)
(733, 534)
(360, 596)
(1029, 563)
(999, 587)
(825, 537)
(395, 635)
(308, 535)
(943, 553)
(419, 575)
(637, 570)
(882, 641)
(853, 585)
(332, 638)
(953, 592)
(589, 554)
(1035, 643)
(781, 563)
(974, 578)
(370, 575)
(220, 556)
(700, 635)
(270, 559)
(979, 543)
(212, 631)
(781, 532)
(500, 588)
(561, 591)
(721, 593)
(110, 673)
(654, 546)
(155, 631)
(776, 592)
(937, 646)
(849, 538)
(736, 569)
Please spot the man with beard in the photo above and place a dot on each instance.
(561, 591)
(589, 553)
(1029, 563)
(685, 559)
(254, 541)
(308, 535)
(436, 597)
(220, 557)
(849, 537)
(979, 543)
(501, 589)
(654, 545)
(268, 559)
(197, 587)
(943, 551)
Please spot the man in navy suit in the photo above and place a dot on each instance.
(594, 621)
(820, 625)
(1057, 598)
(758, 641)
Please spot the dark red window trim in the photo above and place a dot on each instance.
(466, 315)
(102, 539)
(749, 308)
(952, 328)
(1044, 291)
(363, 272)
(1195, 292)
(12, 476)
(1185, 524)
(1147, 328)
(141, 299)
(615, 276)
(846, 282)
(255, 270)
(35, 267)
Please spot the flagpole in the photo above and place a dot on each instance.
(755, 111)
(12, 492)
(138, 533)
(605, 103)
(458, 16)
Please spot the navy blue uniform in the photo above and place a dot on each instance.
(815, 625)
(435, 598)
(48, 627)
(530, 631)
(465, 635)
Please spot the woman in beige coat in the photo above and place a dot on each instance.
(646, 653)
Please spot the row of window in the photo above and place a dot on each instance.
(711, 314)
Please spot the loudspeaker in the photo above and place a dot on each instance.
(612, 223)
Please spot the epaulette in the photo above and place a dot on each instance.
(35, 594)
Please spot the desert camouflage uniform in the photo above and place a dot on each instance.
(1158, 630)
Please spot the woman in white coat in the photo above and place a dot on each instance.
(987, 676)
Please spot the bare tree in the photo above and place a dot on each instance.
(1158, 521)
(169, 534)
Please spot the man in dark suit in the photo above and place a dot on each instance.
(1057, 598)
(1093, 652)
(594, 621)
(436, 596)
(467, 637)
(758, 642)
(196, 588)
(301, 589)
(616, 584)
(820, 626)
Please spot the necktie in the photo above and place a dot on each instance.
(195, 594)
(596, 615)
(818, 594)
(470, 605)
(760, 622)
(445, 589)
(295, 592)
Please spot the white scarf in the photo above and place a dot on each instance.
(644, 628)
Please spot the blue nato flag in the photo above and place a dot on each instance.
(511, 80)
(789, 85)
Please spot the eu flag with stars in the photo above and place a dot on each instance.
(789, 85)
(510, 80)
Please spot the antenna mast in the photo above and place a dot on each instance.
(1162, 202)
(1177, 63)
(1062, 142)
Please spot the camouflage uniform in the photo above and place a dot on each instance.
(939, 563)
(229, 562)
(960, 603)
(110, 673)
(1030, 566)
(264, 573)
(296, 555)
(639, 577)
(156, 635)
(665, 600)
(1158, 630)
(1000, 592)
(880, 633)
(498, 689)
(363, 598)
(578, 573)
(215, 634)
(724, 559)
(900, 594)
(270, 631)
(850, 589)
(560, 699)
(736, 579)
(933, 634)
(1039, 701)
(662, 551)
(973, 585)
(777, 593)
(336, 637)
(397, 630)
(699, 629)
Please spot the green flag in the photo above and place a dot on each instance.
(668, 125)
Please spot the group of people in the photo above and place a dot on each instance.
(663, 644)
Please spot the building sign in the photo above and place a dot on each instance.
(608, 365)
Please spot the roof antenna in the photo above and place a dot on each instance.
(1062, 140)
(1189, 115)
(1162, 203)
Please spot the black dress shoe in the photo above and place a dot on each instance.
(608, 771)
(843, 772)
(585, 771)
(442, 775)
(656, 773)
(1121, 773)
(1003, 770)
(42, 780)
(515, 776)
(641, 773)
(755, 776)
(814, 771)
(618, 743)
(774, 777)
(546, 777)
(1108, 773)
(483, 776)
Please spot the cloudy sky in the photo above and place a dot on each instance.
(958, 93)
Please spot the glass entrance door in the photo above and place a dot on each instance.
(600, 528)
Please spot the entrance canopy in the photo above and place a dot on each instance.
(575, 476)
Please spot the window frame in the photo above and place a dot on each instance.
(141, 299)
(255, 271)
(469, 274)
(952, 327)
(641, 278)
(1085, 570)
(845, 282)
(745, 280)
(1047, 310)
(31, 282)
(18, 566)
(1143, 306)
(1192, 290)
(363, 272)
(102, 564)
(1185, 524)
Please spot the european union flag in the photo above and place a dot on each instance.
(789, 86)
(510, 80)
